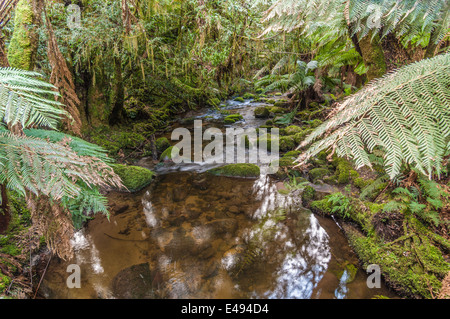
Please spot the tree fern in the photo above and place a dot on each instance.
(25, 99)
(406, 113)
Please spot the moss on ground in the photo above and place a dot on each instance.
(262, 112)
(134, 178)
(162, 144)
(237, 170)
(233, 118)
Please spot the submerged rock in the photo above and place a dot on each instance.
(135, 282)
(237, 170)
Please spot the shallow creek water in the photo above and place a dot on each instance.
(194, 235)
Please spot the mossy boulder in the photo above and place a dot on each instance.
(239, 99)
(233, 118)
(134, 178)
(162, 144)
(372, 190)
(248, 96)
(167, 154)
(292, 130)
(318, 173)
(287, 143)
(277, 110)
(237, 170)
(262, 112)
(308, 195)
(299, 137)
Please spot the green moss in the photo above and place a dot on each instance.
(372, 190)
(318, 173)
(215, 102)
(281, 103)
(4, 282)
(134, 178)
(248, 96)
(299, 137)
(278, 94)
(23, 45)
(237, 170)
(233, 118)
(398, 264)
(167, 154)
(276, 110)
(308, 195)
(239, 99)
(162, 144)
(323, 206)
(361, 182)
(292, 154)
(292, 130)
(315, 123)
(262, 112)
(287, 143)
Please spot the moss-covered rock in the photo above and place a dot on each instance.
(277, 110)
(372, 190)
(233, 118)
(262, 112)
(292, 130)
(162, 144)
(308, 195)
(167, 154)
(287, 143)
(239, 99)
(315, 123)
(398, 263)
(318, 173)
(299, 137)
(134, 178)
(248, 96)
(237, 170)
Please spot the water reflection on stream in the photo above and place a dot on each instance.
(192, 235)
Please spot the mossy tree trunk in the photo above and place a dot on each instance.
(5, 214)
(24, 42)
(373, 56)
(117, 113)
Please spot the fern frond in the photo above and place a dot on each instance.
(406, 113)
(24, 99)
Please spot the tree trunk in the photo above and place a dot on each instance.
(118, 113)
(24, 42)
(5, 214)
(373, 56)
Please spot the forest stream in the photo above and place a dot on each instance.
(191, 234)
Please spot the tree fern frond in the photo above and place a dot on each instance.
(25, 99)
(406, 113)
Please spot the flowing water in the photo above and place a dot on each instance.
(194, 235)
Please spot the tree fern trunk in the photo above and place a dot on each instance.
(117, 113)
(373, 56)
(24, 42)
(5, 215)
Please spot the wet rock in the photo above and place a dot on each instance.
(135, 282)
(224, 226)
(201, 183)
(121, 210)
(323, 190)
(180, 245)
(211, 269)
(180, 193)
